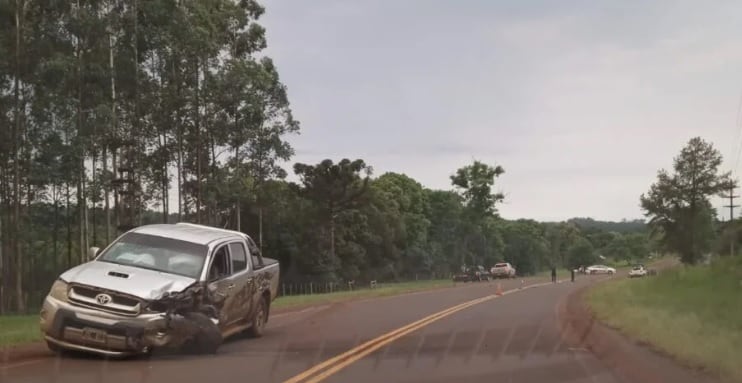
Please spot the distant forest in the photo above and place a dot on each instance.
(623, 226)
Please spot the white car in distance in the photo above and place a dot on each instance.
(601, 269)
(503, 270)
(637, 271)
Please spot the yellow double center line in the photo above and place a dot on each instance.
(337, 363)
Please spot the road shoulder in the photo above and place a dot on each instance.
(634, 361)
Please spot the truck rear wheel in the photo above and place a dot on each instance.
(258, 322)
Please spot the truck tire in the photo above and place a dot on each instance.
(258, 321)
(209, 338)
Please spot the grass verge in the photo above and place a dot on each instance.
(691, 313)
(19, 329)
(381, 291)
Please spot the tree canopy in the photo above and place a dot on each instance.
(678, 205)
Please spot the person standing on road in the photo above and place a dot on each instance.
(553, 274)
(573, 275)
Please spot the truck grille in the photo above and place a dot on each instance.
(122, 304)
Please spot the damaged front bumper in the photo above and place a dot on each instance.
(78, 328)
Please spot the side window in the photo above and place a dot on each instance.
(220, 265)
(239, 258)
(257, 259)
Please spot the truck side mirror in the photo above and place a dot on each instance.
(92, 252)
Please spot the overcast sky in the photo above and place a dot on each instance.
(580, 101)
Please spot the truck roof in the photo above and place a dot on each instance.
(189, 232)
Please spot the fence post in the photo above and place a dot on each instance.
(310, 288)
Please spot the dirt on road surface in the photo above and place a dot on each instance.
(471, 334)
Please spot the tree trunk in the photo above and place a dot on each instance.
(55, 228)
(5, 260)
(81, 153)
(214, 180)
(3, 267)
(69, 226)
(22, 261)
(94, 197)
(7, 245)
(198, 145)
(116, 199)
(260, 228)
(332, 236)
(179, 135)
(181, 177)
(81, 211)
(113, 133)
(86, 235)
(16, 136)
(238, 176)
(106, 196)
(165, 183)
(136, 203)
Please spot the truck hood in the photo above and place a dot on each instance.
(143, 283)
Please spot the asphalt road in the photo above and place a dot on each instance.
(509, 338)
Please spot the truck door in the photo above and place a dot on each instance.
(226, 281)
(243, 279)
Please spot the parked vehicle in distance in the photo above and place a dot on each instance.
(600, 269)
(162, 286)
(637, 271)
(503, 270)
(472, 274)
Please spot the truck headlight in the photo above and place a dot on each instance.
(59, 290)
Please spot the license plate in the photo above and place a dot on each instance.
(94, 335)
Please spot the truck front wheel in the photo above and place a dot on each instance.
(208, 338)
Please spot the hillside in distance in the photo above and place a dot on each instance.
(624, 226)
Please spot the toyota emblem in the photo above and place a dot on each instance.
(103, 299)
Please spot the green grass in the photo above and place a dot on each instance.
(19, 329)
(692, 313)
(381, 291)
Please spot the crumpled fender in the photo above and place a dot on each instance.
(176, 329)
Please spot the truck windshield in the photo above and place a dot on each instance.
(157, 253)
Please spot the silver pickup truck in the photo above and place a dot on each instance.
(123, 301)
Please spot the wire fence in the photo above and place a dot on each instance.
(323, 287)
(309, 288)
